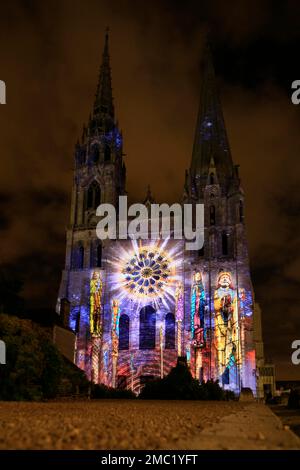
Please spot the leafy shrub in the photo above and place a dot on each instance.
(179, 384)
(34, 368)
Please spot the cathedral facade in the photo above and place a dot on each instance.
(137, 305)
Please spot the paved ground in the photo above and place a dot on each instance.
(288, 417)
(113, 424)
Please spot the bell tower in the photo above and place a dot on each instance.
(99, 177)
(223, 349)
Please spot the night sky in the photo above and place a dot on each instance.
(50, 54)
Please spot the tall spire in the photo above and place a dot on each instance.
(104, 100)
(210, 137)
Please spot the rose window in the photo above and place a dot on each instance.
(147, 272)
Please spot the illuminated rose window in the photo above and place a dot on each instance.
(146, 273)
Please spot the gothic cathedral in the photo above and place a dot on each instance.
(137, 305)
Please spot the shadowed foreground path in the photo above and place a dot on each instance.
(133, 424)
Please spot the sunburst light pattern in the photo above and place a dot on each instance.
(144, 272)
(147, 272)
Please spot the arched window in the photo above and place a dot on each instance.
(90, 197)
(212, 215)
(80, 257)
(93, 197)
(77, 259)
(147, 327)
(241, 211)
(201, 252)
(107, 153)
(124, 332)
(99, 255)
(97, 196)
(95, 153)
(170, 331)
(95, 254)
(211, 178)
(224, 244)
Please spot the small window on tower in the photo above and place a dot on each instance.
(212, 215)
(95, 153)
(241, 211)
(80, 257)
(201, 252)
(90, 197)
(99, 255)
(97, 196)
(93, 197)
(212, 178)
(107, 153)
(224, 244)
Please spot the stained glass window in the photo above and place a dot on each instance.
(147, 327)
(146, 273)
(170, 331)
(124, 332)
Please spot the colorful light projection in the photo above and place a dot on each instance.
(188, 353)
(95, 304)
(161, 346)
(179, 313)
(198, 306)
(105, 360)
(132, 369)
(145, 271)
(198, 332)
(245, 302)
(115, 338)
(95, 322)
(227, 329)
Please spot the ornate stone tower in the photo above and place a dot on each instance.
(223, 347)
(99, 177)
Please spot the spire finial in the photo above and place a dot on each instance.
(210, 137)
(106, 40)
(149, 199)
(104, 101)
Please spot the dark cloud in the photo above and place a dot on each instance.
(50, 57)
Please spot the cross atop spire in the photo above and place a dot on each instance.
(103, 106)
(210, 136)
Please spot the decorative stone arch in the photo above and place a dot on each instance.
(95, 152)
(78, 255)
(93, 196)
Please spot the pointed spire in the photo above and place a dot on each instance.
(104, 100)
(149, 199)
(210, 136)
